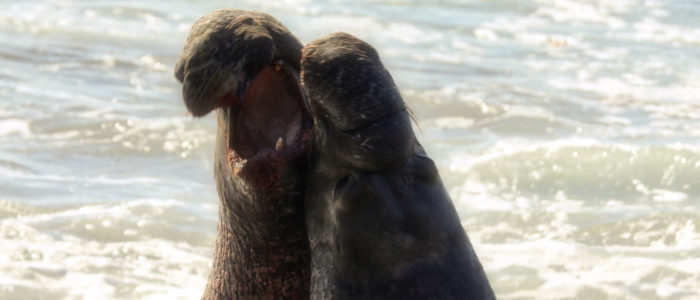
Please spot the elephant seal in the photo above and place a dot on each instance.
(380, 223)
(245, 65)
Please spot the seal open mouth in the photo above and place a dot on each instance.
(245, 65)
(267, 127)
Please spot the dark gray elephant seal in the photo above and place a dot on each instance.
(380, 223)
(245, 65)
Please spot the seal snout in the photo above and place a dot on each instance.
(225, 51)
(355, 102)
(246, 65)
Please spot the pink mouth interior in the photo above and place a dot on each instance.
(269, 126)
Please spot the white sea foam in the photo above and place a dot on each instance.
(14, 127)
(74, 265)
(565, 131)
(79, 268)
(572, 11)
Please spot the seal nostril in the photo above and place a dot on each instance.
(340, 186)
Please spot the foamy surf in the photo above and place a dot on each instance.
(565, 131)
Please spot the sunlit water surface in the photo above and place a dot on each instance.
(567, 133)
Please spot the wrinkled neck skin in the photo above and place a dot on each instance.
(262, 249)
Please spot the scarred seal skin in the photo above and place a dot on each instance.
(245, 65)
(380, 223)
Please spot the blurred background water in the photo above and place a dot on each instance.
(567, 133)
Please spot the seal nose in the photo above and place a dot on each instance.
(347, 82)
(223, 54)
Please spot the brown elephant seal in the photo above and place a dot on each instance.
(245, 65)
(380, 223)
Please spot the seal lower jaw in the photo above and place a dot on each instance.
(269, 127)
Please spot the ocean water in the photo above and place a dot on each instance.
(567, 133)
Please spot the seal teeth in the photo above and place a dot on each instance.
(280, 144)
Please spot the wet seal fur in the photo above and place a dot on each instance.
(380, 223)
(223, 52)
(245, 65)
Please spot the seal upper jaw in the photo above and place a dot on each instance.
(225, 50)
